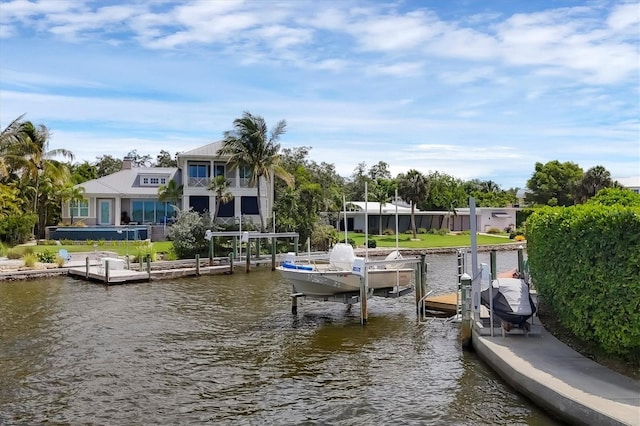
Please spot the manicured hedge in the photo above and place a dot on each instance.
(585, 263)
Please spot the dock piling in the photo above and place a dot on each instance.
(197, 265)
(248, 256)
(273, 253)
(86, 270)
(106, 272)
(231, 256)
(493, 258)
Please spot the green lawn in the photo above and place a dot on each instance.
(405, 241)
(428, 240)
(119, 247)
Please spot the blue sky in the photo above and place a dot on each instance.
(476, 89)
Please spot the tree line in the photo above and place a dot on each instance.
(35, 180)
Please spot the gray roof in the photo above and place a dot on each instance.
(127, 182)
(210, 150)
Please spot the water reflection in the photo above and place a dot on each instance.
(226, 349)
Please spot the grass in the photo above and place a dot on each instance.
(121, 249)
(428, 240)
(404, 241)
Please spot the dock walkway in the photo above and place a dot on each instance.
(561, 380)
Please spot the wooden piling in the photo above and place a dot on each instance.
(493, 257)
(231, 256)
(248, 265)
(520, 261)
(106, 272)
(363, 298)
(86, 273)
(197, 265)
(149, 266)
(465, 328)
(273, 253)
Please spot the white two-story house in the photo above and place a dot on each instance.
(199, 166)
(130, 196)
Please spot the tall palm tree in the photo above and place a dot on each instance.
(381, 193)
(220, 185)
(10, 136)
(413, 188)
(171, 192)
(593, 180)
(72, 194)
(250, 145)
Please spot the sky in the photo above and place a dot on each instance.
(475, 89)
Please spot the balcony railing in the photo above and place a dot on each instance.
(199, 182)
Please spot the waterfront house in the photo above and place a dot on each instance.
(130, 196)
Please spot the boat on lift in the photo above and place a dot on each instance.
(336, 276)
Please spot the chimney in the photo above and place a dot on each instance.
(127, 162)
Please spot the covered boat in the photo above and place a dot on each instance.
(512, 302)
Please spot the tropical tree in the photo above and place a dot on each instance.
(553, 183)
(164, 160)
(382, 192)
(9, 137)
(220, 186)
(446, 193)
(171, 192)
(107, 165)
(413, 188)
(30, 159)
(593, 180)
(251, 145)
(72, 194)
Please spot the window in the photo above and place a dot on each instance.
(198, 171)
(227, 209)
(199, 203)
(151, 211)
(249, 205)
(218, 169)
(152, 180)
(79, 208)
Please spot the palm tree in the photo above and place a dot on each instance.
(593, 180)
(413, 188)
(381, 193)
(219, 185)
(9, 137)
(249, 145)
(170, 192)
(72, 194)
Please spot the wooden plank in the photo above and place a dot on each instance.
(443, 303)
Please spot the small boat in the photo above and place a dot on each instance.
(336, 277)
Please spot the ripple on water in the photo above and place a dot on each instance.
(226, 349)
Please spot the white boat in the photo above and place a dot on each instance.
(336, 277)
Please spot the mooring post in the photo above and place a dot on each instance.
(248, 256)
(211, 251)
(493, 256)
(295, 244)
(106, 272)
(273, 253)
(148, 259)
(465, 329)
(425, 268)
(197, 265)
(418, 278)
(86, 270)
(257, 243)
(128, 265)
(231, 263)
(235, 247)
(520, 262)
(294, 304)
(363, 298)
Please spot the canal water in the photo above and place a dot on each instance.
(227, 350)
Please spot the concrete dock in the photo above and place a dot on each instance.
(559, 379)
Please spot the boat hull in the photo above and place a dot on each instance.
(329, 283)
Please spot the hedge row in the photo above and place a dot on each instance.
(585, 262)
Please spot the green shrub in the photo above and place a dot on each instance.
(349, 241)
(46, 256)
(323, 236)
(493, 231)
(372, 243)
(187, 234)
(421, 231)
(585, 261)
(14, 253)
(29, 260)
(16, 229)
(442, 231)
(388, 231)
(3, 250)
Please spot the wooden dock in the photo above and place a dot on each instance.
(123, 276)
(446, 303)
